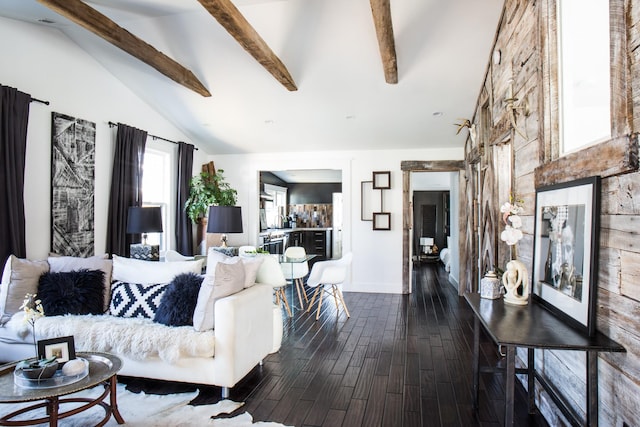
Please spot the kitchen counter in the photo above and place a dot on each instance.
(289, 230)
(315, 240)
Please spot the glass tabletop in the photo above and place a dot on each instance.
(288, 260)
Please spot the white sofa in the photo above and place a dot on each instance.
(248, 327)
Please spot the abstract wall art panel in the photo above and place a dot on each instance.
(72, 185)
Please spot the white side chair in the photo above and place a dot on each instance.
(328, 276)
(296, 271)
(270, 273)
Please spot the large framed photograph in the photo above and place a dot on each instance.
(63, 348)
(566, 245)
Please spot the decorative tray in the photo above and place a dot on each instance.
(58, 379)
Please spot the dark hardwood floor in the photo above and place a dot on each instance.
(400, 360)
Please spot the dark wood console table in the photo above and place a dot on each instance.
(533, 327)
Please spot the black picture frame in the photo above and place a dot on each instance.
(565, 250)
(62, 347)
(382, 180)
(382, 221)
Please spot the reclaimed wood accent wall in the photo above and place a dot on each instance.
(515, 154)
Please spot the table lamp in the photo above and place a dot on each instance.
(224, 219)
(143, 220)
(426, 243)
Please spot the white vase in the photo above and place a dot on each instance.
(490, 286)
(516, 282)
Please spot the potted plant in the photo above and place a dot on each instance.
(207, 189)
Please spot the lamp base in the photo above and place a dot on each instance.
(145, 252)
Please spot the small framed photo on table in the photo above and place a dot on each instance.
(63, 348)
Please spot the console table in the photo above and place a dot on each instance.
(533, 327)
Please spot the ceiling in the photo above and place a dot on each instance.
(330, 49)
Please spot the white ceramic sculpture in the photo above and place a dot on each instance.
(516, 282)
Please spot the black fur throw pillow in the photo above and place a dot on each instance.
(73, 292)
(179, 301)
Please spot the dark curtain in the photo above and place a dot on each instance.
(126, 187)
(14, 116)
(184, 232)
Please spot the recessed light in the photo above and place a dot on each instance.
(438, 114)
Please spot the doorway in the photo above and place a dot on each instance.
(407, 168)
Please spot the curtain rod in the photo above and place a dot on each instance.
(111, 124)
(39, 100)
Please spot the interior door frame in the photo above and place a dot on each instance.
(408, 166)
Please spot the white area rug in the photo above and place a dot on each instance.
(150, 410)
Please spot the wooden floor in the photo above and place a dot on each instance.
(400, 360)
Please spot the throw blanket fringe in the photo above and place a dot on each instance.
(137, 338)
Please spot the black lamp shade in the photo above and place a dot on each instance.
(224, 219)
(144, 220)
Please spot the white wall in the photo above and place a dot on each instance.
(47, 65)
(377, 255)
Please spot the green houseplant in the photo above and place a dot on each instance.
(205, 190)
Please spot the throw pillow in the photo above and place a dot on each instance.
(179, 301)
(138, 271)
(63, 264)
(136, 299)
(73, 292)
(19, 279)
(251, 267)
(228, 279)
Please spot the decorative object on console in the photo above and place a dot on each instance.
(516, 283)
(490, 286)
(516, 277)
(224, 219)
(565, 255)
(72, 185)
(143, 220)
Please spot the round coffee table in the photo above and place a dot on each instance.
(103, 368)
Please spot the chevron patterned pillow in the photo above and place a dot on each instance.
(135, 299)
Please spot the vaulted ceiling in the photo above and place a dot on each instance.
(241, 76)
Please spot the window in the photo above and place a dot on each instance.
(156, 190)
(275, 209)
(584, 73)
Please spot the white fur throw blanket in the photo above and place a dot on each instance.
(136, 338)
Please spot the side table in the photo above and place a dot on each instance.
(103, 368)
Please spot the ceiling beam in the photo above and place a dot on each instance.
(381, 10)
(102, 26)
(235, 23)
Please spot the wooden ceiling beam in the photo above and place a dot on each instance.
(235, 23)
(94, 21)
(381, 10)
